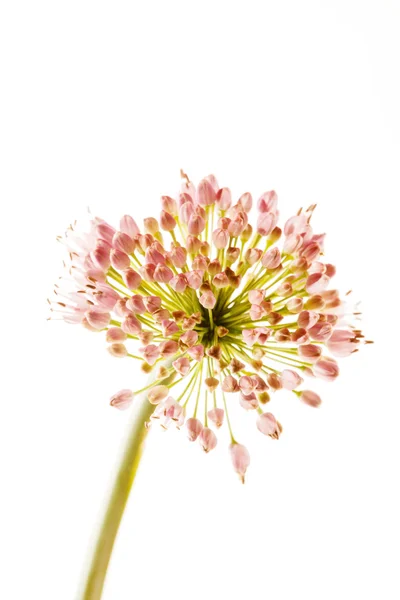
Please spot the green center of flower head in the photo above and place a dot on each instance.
(215, 306)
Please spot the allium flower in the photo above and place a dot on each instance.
(215, 306)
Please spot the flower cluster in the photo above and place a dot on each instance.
(217, 306)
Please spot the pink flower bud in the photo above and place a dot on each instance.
(330, 270)
(321, 331)
(131, 279)
(292, 244)
(120, 308)
(136, 304)
(193, 244)
(182, 366)
(105, 232)
(127, 225)
(152, 303)
(115, 334)
(196, 224)
(157, 393)
(118, 350)
(237, 225)
(274, 381)
(186, 210)
(230, 385)
(167, 221)
(151, 225)
(220, 238)
(168, 348)
(220, 280)
(317, 283)
(310, 398)
(207, 439)
(268, 202)
(307, 319)
(224, 199)
(200, 263)
(256, 296)
(265, 223)
(194, 428)
(232, 254)
(169, 204)
(178, 256)
(271, 259)
(295, 305)
(240, 459)
(119, 260)
(146, 337)
(290, 379)
(131, 325)
(246, 201)
(160, 315)
(101, 256)
(300, 336)
(216, 416)
(247, 384)
(342, 343)
(169, 327)
(268, 425)
(179, 283)
(310, 251)
(194, 279)
(249, 402)
(252, 256)
(296, 224)
(326, 368)
(106, 298)
(189, 338)
(208, 300)
(122, 399)
(121, 241)
(250, 336)
(162, 274)
(196, 352)
(154, 256)
(310, 352)
(96, 319)
(206, 194)
(147, 272)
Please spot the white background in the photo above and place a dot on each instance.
(101, 104)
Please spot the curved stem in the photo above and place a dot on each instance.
(100, 554)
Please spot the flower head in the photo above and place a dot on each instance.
(218, 307)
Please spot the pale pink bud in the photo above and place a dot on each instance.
(167, 221)
(296, 225)
(315, 303)
(237, 225)
(189, 338)
(282, 335)
(157, 393)
(252, 256)
(115, 334)
(146, 337)
(96, 319)
(178, 283)
(317, 283)
(152, 303)
(224, 199)
(240, 459)
(105, 232)
(169, 204)
(123, 242)
(256, 312)
(310, 398)
(223, 223)
(326, 368)
(292, 244)
(193, 244)
(208, 300)
(321, 332)
(230, 384)
(310, 352)
(249, 402)
(307, 319)
(196, 352)
(178, 256)
(216, 416)
(271, 259)
(162, 274)
(265, 223)
(250, 336)
(194, 428)
(247, 384)
(268, 202)
(150, 353)
(145, 241)
(136, 304)
(268, 425)
(207, 439)
(220, 280)
(220, 238)
(101, 256)
(147, 272)
(342, 342)
(120, 308)
(131, 325)
(160, 315)
(310, 251)
(232, 254)
(256, 296)
(246, 201)
(330, 270)
(284, 289)
(200, 263)
(127, 225)
(194, 279)
(168, 348)
(290, 379)
(118, 350)
(246, 233)
(206, 194)
(106, 297)
(119, 260)
(169, 327)
(295, 305)
(151, 225)
(274, 381)
(131, 279)
(154, 256)
(196, 224)
(122, 399)
(186, 210)
(182, 365)
(300, 336)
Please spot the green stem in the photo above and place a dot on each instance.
(99, 558)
